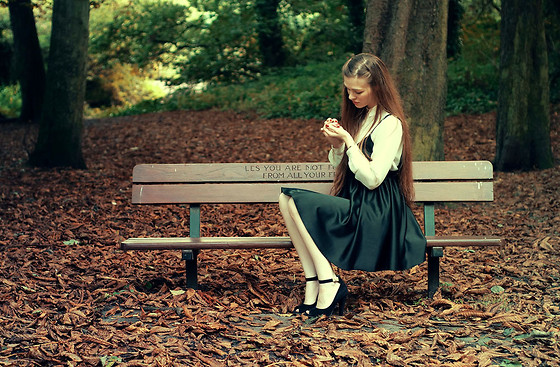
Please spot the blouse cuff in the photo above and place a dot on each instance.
(351, 149)
(339, 150)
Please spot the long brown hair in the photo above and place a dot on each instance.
(371, 68)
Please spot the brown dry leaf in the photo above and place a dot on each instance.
(72, 356)
(473, 314)
(271, 325)
(485, 357)
(160, 330)
(454, 309)
(350, 353)
(393, 359)
(503, 318)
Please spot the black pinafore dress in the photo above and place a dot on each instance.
(363, 229)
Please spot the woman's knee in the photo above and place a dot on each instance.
(287, 205)
(283, 202)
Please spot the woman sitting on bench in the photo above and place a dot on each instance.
(366, 223)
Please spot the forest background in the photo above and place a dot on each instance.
(155, 55)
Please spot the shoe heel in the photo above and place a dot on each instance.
(341, 305)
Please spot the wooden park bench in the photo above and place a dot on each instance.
(248, 183)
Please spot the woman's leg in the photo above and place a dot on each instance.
(322, 266)
(312, 287)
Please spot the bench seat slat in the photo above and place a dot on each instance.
(283, 172)
(188, 243)
(269, 192)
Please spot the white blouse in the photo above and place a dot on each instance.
(386, 155)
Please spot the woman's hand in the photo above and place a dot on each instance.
(336, 134)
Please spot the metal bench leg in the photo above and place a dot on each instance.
(433, 269)
(191, 268)
(190, 255)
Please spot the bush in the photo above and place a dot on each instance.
(10, 101)
(471, 88)
(311, 91)
(314, 90)
(473, 75)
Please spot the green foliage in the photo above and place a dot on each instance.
(313, 30)
(138, 46)
(225, 46)
(222, 55)
(121, 87)
(471, 88)
(131, 44)
(311, 91)
(10, 101)
(473, 74)
(138, 33)
(110, 361)
(213, 41)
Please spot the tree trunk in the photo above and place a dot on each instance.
(356, 15)
(410, 37)
(270, 33)
(523, 118)
(29, 66)
(454, 18)
(6, 59)
(60, 133)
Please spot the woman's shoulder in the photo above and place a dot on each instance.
(388, 124)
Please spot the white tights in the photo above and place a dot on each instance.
(314, 263)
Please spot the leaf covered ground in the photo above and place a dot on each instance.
(70, 297)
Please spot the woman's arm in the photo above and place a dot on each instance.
(337, 143)
(336, 155)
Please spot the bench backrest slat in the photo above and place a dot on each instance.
(294, 172)
(214, 183)
(269, 192)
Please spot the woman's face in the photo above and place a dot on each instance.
(360, 92)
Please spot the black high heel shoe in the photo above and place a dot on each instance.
(303, 307)
(339, 299)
